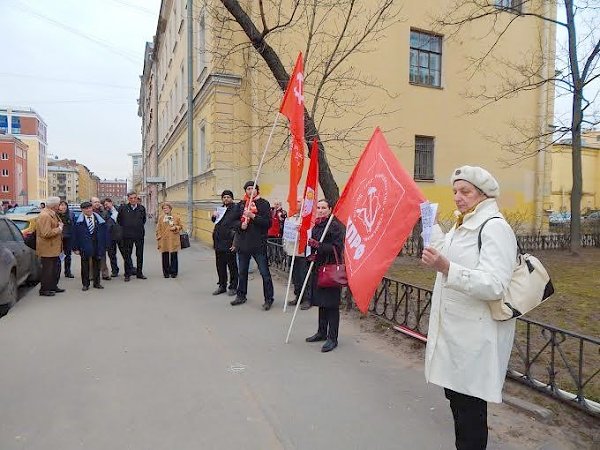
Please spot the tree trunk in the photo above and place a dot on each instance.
(577, 117)
(270, 56)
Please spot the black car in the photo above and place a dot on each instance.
(18, 263)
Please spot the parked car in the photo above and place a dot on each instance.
(24, 222)
(24, 210)
(560, 217)
(19, 264)
(593, 217)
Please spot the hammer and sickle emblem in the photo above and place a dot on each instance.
(298, 88)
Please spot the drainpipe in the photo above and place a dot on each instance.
(190, 117)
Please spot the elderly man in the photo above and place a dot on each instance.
(91, 235)
(114, 231)
(132, 218)
(98, 208)
(49, 246)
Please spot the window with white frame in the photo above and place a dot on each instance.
(515, 6)
(4, 172)
(4, 156)
(425, 58)
(5, 188)
(202, 152)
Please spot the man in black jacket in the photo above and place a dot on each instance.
(226, 222)
(251, 241)
(132, 218)
(114, 230)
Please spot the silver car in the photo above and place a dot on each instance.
(18, 264)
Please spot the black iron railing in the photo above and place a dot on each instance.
(557, 362)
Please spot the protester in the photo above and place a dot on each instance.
(91, 236)
(250, 241)
(467, 351)
(132, 218)
(98, 208)
(278, 216)
(225, 257)
(67, 219)
(48, 231)
(300, 263)
(327, 299)
(168, 241)
(114, 233)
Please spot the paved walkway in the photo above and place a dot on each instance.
(163, 364)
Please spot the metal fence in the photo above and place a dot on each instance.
(557, 362)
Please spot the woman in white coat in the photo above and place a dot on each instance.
(467, 351)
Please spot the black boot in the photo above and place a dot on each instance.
(316, 338)
(328, 346)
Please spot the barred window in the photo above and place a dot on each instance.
(425, 58)
(511, 5)
(423, 158)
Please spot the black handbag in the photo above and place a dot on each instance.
(184, 238)
(332, 275)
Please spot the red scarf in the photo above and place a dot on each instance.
(250, 206)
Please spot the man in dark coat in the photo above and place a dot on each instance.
(251, 242)
(90, 238)
(115, 234)
(225, 225)
(132, 218)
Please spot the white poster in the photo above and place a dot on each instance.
(428, 213)
(220, 213)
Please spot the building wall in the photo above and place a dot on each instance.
(236, 99)
(13, 171)
(115, 190)
(64, 183)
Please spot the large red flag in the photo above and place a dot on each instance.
(292, 106)
(379, 207)
(311, 189)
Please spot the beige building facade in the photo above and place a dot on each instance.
(63, 182)
(414, 86)
(88, 182)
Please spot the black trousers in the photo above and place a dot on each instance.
(50, 273)
(170, 264)
(227, 260)
(86, 263)
(67, 247)
(112, 255)
(298, 275)
(470, 420)
(126, 248)
(329, 322)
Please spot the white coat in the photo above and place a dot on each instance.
(468, 351)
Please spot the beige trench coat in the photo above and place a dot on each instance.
(48, 242)
(168, 239)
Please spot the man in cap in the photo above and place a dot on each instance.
(90, 239)
(251, 242)
(226, 221)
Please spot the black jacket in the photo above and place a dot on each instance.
(254, 238)
(115, 231)
(327, 297)
(132, 221)
(224, 231)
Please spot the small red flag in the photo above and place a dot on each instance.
(292, 106)
(379, 207)
(311, 189)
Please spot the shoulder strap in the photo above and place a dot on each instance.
(481, 229)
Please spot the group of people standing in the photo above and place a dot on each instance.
(96, 233)
(241, 233)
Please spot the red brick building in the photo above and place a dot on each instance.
(13, 170)
(113, 189)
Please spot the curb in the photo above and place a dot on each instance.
(537, 411)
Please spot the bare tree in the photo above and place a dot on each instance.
(577, 67)
(329, 33)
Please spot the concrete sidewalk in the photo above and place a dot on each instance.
(163, 364)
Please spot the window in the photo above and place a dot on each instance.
(202, 155)
(4, 172)
(3, 123)
(201, 44)
(511, 5)
(182, 86)
(5, 156)
(423, 158)
(5, 233)
(5, 188)
(15, 124)
(425, 58)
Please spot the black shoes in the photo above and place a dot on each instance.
(127, 278)
(141, 276)
(173, 275)
(166, 275)
(106, 278)
(315, 338)
(98, 286)
(69, 275)
(85, 288)
(47, 293)
(219, 290)
(231, 292)
(293, 302)
(305, 305)
(238, 301)
(115, 275)
(328, 346)
(58, 290)
(267, 304)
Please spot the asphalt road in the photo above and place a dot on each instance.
(163, 364)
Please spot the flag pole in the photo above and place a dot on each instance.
(262, 160)
(287, 292)
(312, 263)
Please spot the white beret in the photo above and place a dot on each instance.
(478, 177)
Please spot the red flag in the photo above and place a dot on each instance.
(311, 188)
(292, 106)
(379, 206)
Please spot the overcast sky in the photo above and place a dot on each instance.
(77, 63)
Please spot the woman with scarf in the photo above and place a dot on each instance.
(467, 351)
(67, 218)
(327, 299)
(168, 240)
(250, 241)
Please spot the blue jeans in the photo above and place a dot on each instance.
(263, 268)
